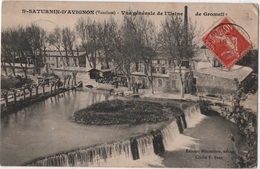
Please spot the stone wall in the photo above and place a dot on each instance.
(18, 71)
(171, 84)
(175, 82)
(246, 120)
(160, 84)
(218, 86)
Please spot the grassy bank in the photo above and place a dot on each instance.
(246, 120)
(122, 112)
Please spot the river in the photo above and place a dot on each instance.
(44, 128)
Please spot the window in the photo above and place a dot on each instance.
(159, 82)
(153, 70)
(185, 63)
(158, 61)
(163, 70)
(163, 61)
(194, 81)
(157, 69)
(173, 84)
(136, 66)
(139, 67)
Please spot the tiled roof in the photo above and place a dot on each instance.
(239, 72)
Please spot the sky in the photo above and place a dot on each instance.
(18, 13)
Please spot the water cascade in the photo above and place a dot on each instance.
(145, 146)
(133, 152)
(100, 155)
(193, 116)
(170, 134)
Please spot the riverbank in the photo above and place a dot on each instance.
(246, 121)
(115, 112)
(20, 103)
(160, 96)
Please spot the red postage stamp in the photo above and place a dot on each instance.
(227, 43)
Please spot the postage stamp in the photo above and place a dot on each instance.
(227, 43)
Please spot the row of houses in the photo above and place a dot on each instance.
(204, 75)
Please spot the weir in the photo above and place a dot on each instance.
(137, 149)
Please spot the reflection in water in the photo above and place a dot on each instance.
(45, 128)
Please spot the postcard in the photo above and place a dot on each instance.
(129, 84)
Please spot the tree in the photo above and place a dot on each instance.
(125, 47)
(23, 46)
(7, 83)
(36, 86)
(64, 39)
(8, 44)
(88, 32)
(74, 78)
(178, 39)
(14, 94)
(24, 87)
(68, 39)
(42, 84)
(148, 46)
(30, 88)
(54, 39)
(106, 33)
(37, 41)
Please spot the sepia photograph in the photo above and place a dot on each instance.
(129, 84)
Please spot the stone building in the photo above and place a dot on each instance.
(166, 78)
(219, 82)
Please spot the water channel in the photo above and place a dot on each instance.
(44, 128)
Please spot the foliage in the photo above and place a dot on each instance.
(88, 32)
(179, 41)
(133, 40)
(250, 60)
(238, 95)
(121, 112)
(63, 39)
(8, 82)
(19, 44)
(246, 121)
(50, 74)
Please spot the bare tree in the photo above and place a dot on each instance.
(106, 33)
(23, 49)
(37, 41)
(126, 46)
(64, 39)
(179, 41)
(87, 30)
(8, 46)
(148, 46)
(68, 39)
(54, 39)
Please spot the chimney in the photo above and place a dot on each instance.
(186, 24)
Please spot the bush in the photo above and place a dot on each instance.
(120, 112)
